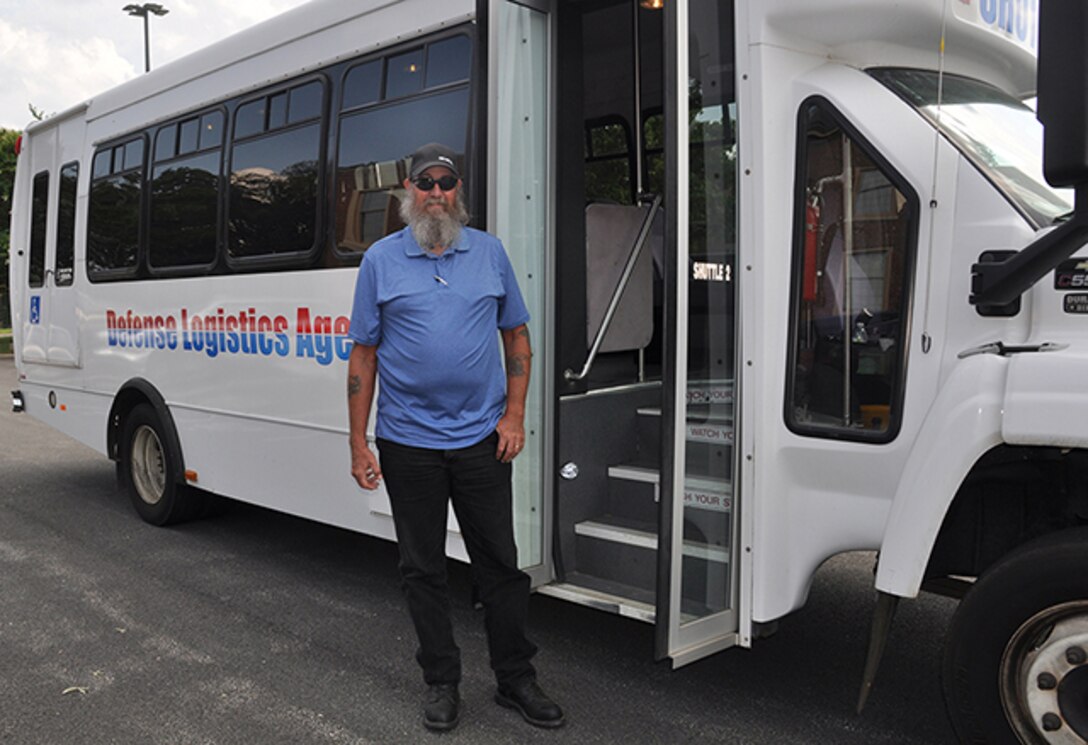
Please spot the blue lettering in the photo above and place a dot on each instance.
(211, 339)
(988, 10)
(197, 342)
(1004, 22)
(1021, 20)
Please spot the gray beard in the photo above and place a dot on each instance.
(433, 231)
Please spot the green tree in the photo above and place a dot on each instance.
(7, 183)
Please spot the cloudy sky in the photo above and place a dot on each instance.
(57, 53)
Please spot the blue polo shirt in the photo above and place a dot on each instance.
(434, 320)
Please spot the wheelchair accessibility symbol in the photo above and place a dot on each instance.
(35, 309)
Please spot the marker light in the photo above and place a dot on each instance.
(18, 145)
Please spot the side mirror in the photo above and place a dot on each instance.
(1063, 91)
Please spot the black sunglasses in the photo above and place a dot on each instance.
(426, 183)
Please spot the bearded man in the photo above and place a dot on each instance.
(428, 301)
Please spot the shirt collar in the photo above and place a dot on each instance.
(412, 247)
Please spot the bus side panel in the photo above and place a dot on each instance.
(78, 414)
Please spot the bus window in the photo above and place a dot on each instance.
(166, 142)
(852, 271)
(275, 175)
(608, 162)
(211, 130)
(113, 214)
(448, 61)
(374, 141)
(188, 136)
(363, 85)
(249, 119)
(404, 74)
(277, 111)
(38, 211)
(185, 195)
(305, 102)
(66, 225)
(653, 137)
(370, 167)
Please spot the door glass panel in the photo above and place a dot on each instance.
(39, 208)
(520, 220)
(64, 260)
(706, 585)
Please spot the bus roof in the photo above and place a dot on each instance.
(985, 39)
(289, 34)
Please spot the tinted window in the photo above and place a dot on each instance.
(113, 223)
(211, 130)
(66, 225)
(852, 270)
(134, 156)
(38, 212)
(363, 84)
(277, 111)
(608, 164)
(165, 143)
(101, 164)
(188, 136)
(113, 216)
(184, 212)
(274, 193)
(305, 103)
(249, 119)
(404, 74)
(448, 61)
(370, 161)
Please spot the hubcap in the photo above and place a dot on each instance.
(148, 465)
(1044, 676)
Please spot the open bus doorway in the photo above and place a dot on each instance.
(644, 314)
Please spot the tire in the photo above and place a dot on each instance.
(152, 470)
(1016, 658)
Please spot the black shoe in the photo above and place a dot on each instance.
(442, 707)
(532, 703)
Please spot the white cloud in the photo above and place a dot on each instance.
(57, 53)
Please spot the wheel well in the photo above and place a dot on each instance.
(133, 393)
(1012, 495)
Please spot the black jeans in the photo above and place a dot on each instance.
(421, 482)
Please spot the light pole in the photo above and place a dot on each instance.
(143, 11)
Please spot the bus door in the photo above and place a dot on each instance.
(50, 335)
(636, 348)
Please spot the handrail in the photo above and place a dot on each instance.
(617, 294)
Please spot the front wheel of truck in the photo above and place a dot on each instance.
(1016, 658)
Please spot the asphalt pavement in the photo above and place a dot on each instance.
(256, 627)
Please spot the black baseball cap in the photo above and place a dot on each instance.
(433, 154)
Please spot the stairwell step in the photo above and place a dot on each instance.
(650, 475)
(642, 538)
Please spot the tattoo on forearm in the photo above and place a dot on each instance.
(355, 384)
(524, 332)
(517, 365)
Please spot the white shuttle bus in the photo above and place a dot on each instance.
(747, 232)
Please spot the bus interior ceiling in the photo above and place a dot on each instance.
(609, 422)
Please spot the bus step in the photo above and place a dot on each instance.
(625, 532)
(610, 597)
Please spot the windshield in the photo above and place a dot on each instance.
(995, 131)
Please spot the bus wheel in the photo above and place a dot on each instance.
(150, 471)
(1016, 658)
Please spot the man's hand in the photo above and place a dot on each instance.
(365, 468)
(511, 431)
